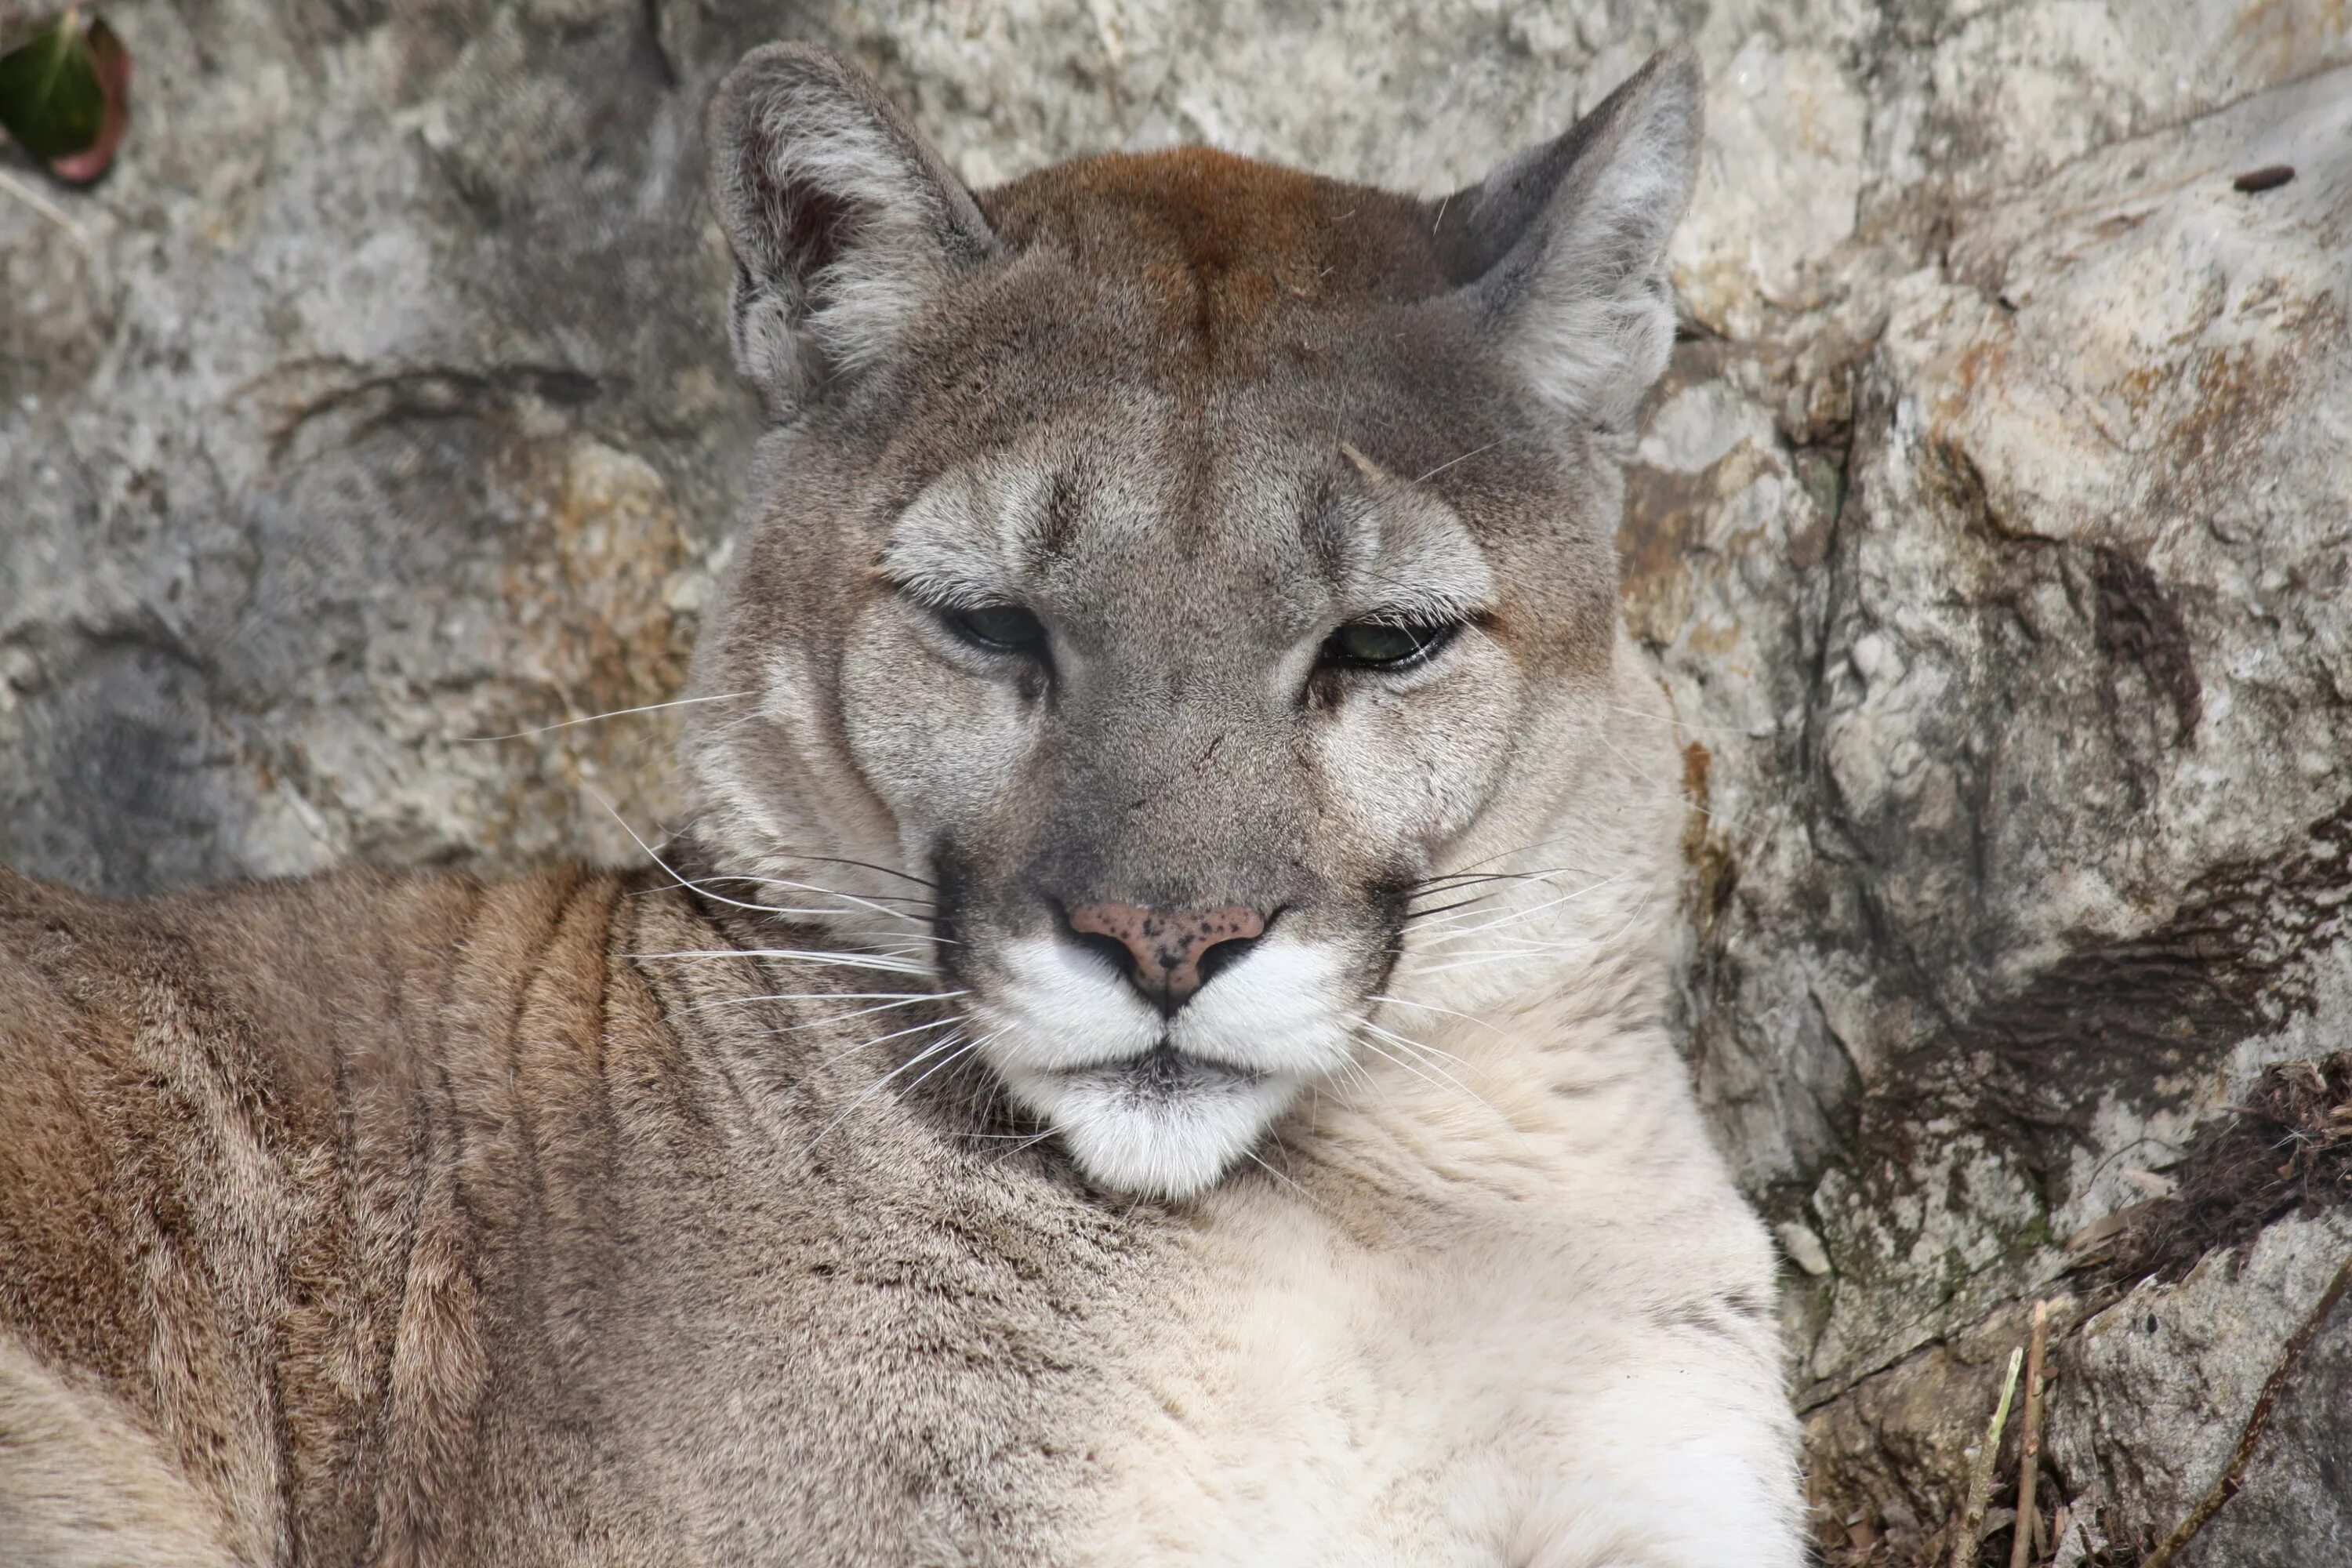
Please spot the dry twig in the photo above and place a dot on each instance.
(2029, 1440)
(47, 209)
(1968, 1529)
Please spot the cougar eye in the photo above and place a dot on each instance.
(1007, 628)
(1384, 644)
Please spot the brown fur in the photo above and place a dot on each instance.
(408, 1219)
(1223, 246)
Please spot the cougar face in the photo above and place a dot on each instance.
(1169, 575)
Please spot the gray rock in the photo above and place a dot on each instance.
(1990, 536)
(2072, 764)
(2154, 1392)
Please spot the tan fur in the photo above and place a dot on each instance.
(412, 1221)
(1223, 245)
(822, 1196)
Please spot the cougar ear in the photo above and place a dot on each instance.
(1562, 250)
(843, 219)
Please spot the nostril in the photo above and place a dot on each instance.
(1121, 956)
(1221, 956)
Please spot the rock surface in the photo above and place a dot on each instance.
(1991, 535)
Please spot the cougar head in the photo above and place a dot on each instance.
(1168, 575)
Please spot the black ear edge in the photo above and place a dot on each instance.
(1479, 227)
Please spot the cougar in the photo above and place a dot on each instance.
(1150, 1049)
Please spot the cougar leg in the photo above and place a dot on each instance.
(83, 1487)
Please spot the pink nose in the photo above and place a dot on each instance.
(1163, 951)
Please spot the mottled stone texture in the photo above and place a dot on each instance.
(1991, 535)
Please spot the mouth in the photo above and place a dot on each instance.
(1165, 1072)
(1161, 1123)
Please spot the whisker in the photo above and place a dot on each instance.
(1447, 924)
(812, 887)
(685, 881)
(1681, 724)
(1479, 959)
(1517, 916)
(847, 1051)
(884, 963)
(1522, 850)
(1432, 1007)
(866, 864)
(855, 1013)
(1373, 1047)
(654, 856)
(826, 996)
(1267, 1166)
(615, 713)
(1431, 886)
(1451, 461)
(788, 912)
(967, 1048)
(1419, 915)
(878, 1085)
(1405, 1042)
(895, 998)
(1018, 1140)
(921, 1054)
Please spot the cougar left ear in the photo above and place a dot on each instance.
(1562, 250)
(843, 219)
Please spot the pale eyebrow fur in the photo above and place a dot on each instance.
(964, 541)
(1405, 555)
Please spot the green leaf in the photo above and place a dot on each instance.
(113, 63)
(51, 99)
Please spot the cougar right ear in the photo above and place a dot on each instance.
(843, 219)
(1562, 251)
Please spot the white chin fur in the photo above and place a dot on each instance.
(1153, 1142)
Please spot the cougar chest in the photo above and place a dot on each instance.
(1323, 1395)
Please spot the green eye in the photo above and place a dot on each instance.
(1384, 644)
(1007, 628)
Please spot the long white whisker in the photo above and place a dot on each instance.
(654, 856)
(789, 910)
(1432, 1007)
(1681, 724)
(681, 879)
(1408, 1042)
(832, 1018)
(967, 1048)
(816, 888)
(813, 888)
(615, 713)
(1517, 916)
(884, 963)
(1451, 461)
(826, 996)
(1374, 1046)
(862, 864)
(887, 999)
(1515, 952)
(878, 1085)
(1268, 1167)
(846, 1051)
